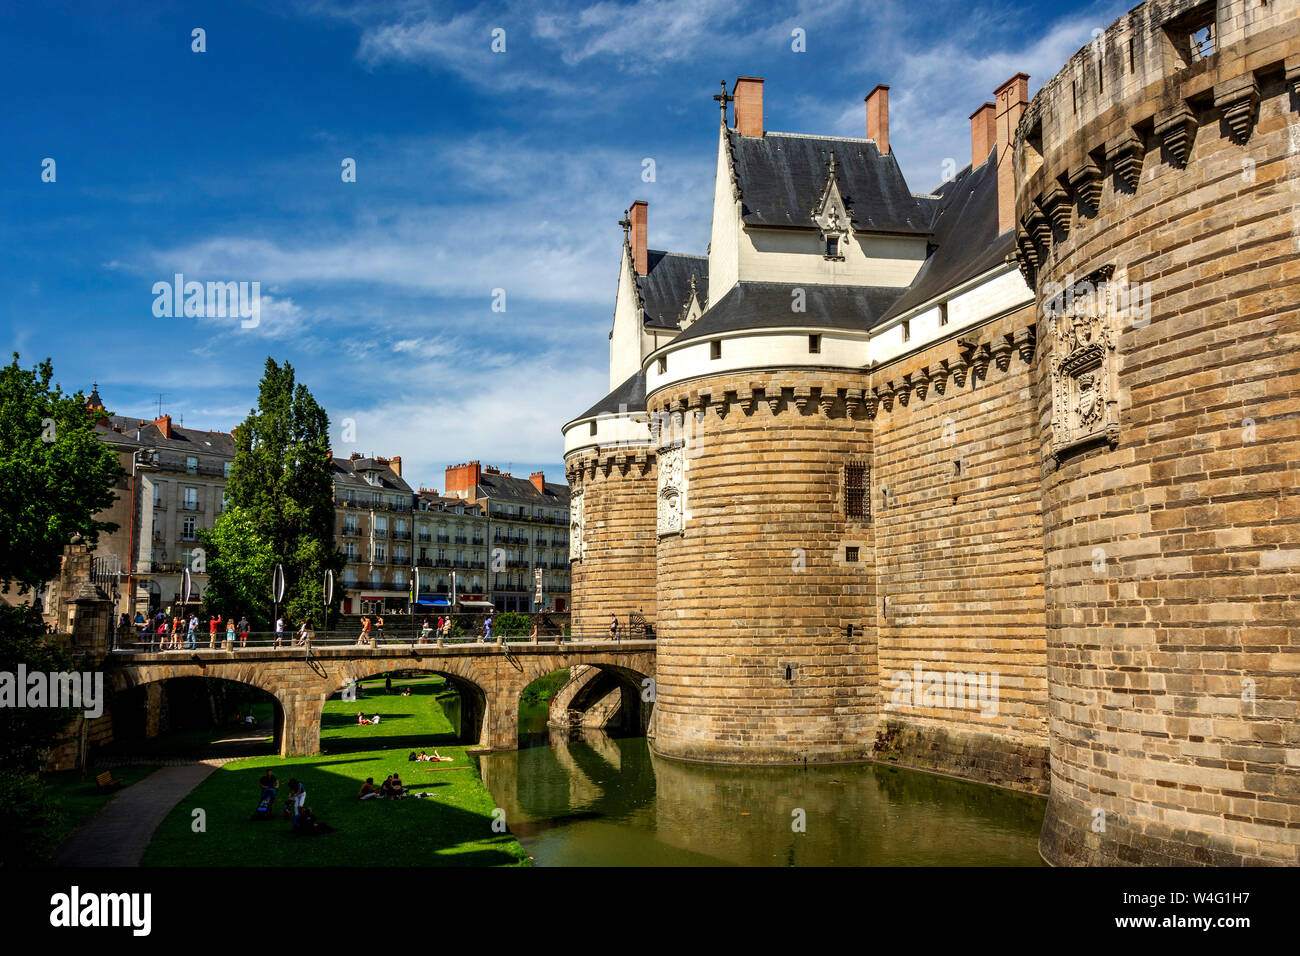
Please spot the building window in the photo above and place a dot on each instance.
(663, 364)
(191, 465)
(851, 555)
(855, 489)
(907, 330)
(191, 499)
(833, 247)
(593, 428)
(225, 469)
(814, 344)
(715, 349)
(943, 314)
(187, 529)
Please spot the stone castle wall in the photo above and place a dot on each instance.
(756, 596)
(959, 558)
(616, 571)
(1170, 535)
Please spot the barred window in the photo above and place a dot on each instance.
(855, 489)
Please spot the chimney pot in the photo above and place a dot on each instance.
(749, 105)
(1011, 99)
(538, 479)
(638, 215)
(878, 118)
(983, 133)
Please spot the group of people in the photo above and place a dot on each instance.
(295, 807)
(391, 789)
(174, 632)
(443, 630)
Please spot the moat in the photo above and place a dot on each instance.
(603, 801)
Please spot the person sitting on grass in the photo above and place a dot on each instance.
(361, 719)
(374, 719)
(369, 791)
(398, 789)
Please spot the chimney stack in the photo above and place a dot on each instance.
(463, 478)
(749, 105)
(164, 425)
(878, 118)
(395, 463)
(538, 479)
(983, 134)
(637, 215)
(1012, 97)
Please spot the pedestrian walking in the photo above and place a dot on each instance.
(613, 626)
(191, 633)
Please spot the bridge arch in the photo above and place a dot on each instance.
(474, 701)
(152, 680)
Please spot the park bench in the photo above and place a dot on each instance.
(106, 781)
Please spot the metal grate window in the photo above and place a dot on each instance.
(855, 489)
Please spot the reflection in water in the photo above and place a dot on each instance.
(579, 798)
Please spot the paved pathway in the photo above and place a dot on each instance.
(119, 832)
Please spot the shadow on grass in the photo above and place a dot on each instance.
(416, 742)
(454, 828)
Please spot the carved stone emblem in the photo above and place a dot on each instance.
(1082, 337)
(672, 490)
(576, 519)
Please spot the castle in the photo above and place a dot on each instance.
(998, 480)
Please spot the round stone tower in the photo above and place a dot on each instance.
(766, 647)
(1157, 187)
(611, 470)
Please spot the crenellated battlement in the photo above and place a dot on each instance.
(1141, 92)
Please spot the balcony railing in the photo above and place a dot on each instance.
(402, 535)
(192, 506)
(426, 538)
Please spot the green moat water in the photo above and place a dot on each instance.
(601, 801)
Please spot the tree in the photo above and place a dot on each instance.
(240, 562)
(281, 480)
(55, 475)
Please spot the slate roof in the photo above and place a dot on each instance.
(347, 473)
(965, 237)
(667, 284)
(630, 396)
(767, 305)
(501, 487)
(781, 176)
(192, 440)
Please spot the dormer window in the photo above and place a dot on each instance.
(663, 365)
(832, 216)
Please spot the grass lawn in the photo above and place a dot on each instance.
(78, 798)
(453, 827)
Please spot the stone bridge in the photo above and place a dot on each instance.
(490, 678)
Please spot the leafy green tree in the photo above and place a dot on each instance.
(240, 563)
(281, 479)
(55, 475)
(512, 624)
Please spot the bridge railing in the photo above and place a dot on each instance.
(396, 637)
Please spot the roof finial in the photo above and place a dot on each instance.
(626, 223)
(723, 99)
(830, 165)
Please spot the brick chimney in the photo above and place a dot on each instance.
(983, 134)
(395, 463)
(164, 425)
(463, 477)
(637, 216)
(539, 481)
(1011, 99)
(878, 117)
(749, 105)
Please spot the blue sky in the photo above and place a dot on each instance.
(475, 171)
